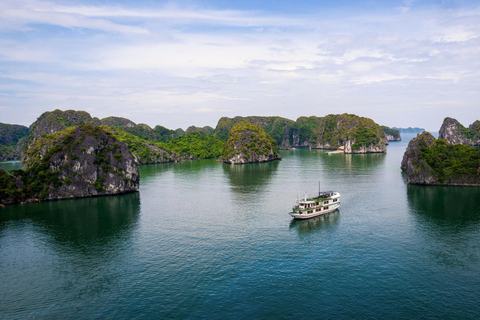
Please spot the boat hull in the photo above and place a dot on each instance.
(304, 216)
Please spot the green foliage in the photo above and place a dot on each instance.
(274, 126)
(395, 133)
(143, 149)
(470, 134)
(451, 162)
(307, 129)
(10, 134)
(365, 136)
(248, 138)
(98, 184)
(201, 146)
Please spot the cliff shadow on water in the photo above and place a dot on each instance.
(251, 177)
(445, 205)
(188, 168)
(447, 221)
(79, 224)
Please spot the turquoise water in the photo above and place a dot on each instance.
(205, 240)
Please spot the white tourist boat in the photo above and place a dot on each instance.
(310, 207)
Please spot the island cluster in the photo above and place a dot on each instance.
(69, 154)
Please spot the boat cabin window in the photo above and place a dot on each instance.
(325, 208)
(325, 202)
(335, 200)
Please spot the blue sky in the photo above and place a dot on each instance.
(181, 63)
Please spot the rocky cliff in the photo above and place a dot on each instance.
(455, 133)
(57, 120)
(356, 134)
(391, 134)
(429, 161)
(248, 143)
(140, 138)
(76, 162)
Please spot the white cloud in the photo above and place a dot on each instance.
(175, 60)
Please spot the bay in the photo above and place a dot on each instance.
(206, 240)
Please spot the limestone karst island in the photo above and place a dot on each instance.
(452, 159)
(69, 154)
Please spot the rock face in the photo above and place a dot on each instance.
(356, 134)
(76, 162)
(391, 134)
(57, 120)
(417, 171)
(455, 133)
(436, 162)
(248, 143)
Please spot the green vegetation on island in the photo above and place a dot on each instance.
(455, 133)
(392, 134)
(76, 162)
(249, 143)
(356, 134)
(198, 145)
(409, 130)
(452, 162)
(274, 126)
(10, 137)
(437, 162)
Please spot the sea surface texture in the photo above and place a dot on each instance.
(206, 240)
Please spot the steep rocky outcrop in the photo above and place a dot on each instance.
(249, 143)
(417, 171)
(10, 137)
(391, 134)
(455, 133)
(431, 161)
(57, 120)
(76, 162)
(356, 134)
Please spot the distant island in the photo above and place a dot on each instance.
(69, 154)
(453, 159)
(409, 130)
(355, 134)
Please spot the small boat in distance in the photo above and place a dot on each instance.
(324, 203)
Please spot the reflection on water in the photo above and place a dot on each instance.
(363, 162)
(252, 177)
(447, 219)
(305, 227)
(77, 222)
(455, 206)
(180, 169)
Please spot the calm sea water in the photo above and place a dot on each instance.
(205, 240)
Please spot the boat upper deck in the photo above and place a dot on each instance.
(325, 195)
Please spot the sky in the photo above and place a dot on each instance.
(181, 63)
